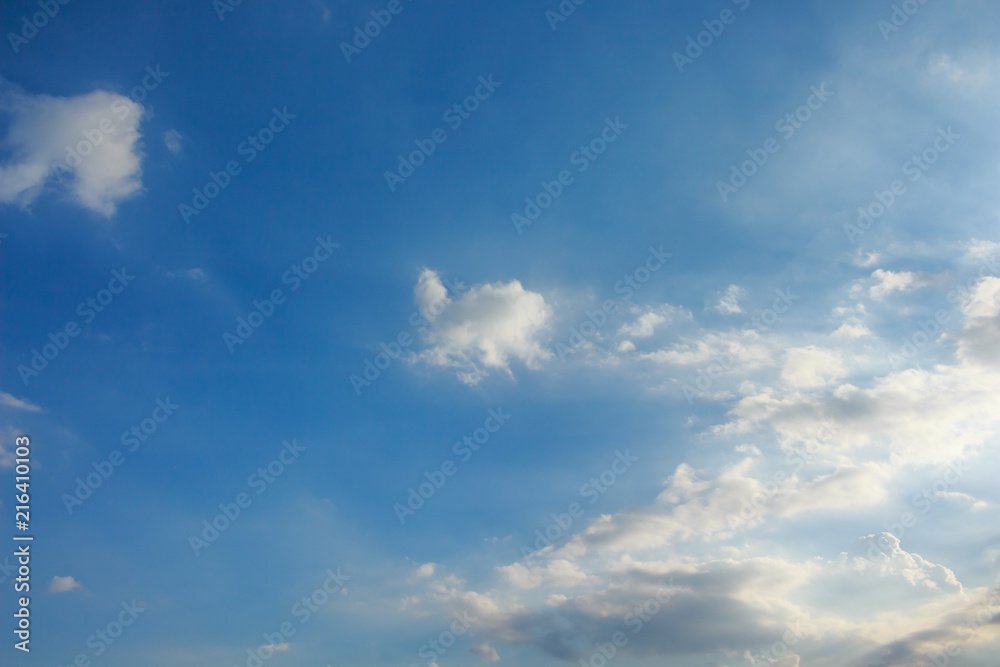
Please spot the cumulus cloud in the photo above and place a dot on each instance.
(88, 143)
(63, 584)
(980, 338)
(887, 282)
(172, 140)
(485, 651)
(483, 329)
(729, 303)
(810, 367)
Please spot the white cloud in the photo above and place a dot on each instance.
(17, 403)
(101, 130)
(810, 367)
(485, 651)
(172, 140)
(644, 327)
(887, 282)
(426, 570)
(63, 584)
(431, 295)
(484, 328)
(729, 303)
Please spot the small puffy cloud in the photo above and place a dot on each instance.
(865, 259)
(18, 404)
(485, 651)
(172, 140)
(485, 328)
(426, 570)
(62, 137)
(809, 367)
(642, 327)
(729, 303)
(980, 252)
(980, 336)
(853, 329)
(63, 584)
(887, 282)
(431, 295)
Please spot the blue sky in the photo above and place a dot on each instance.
(721, 394)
